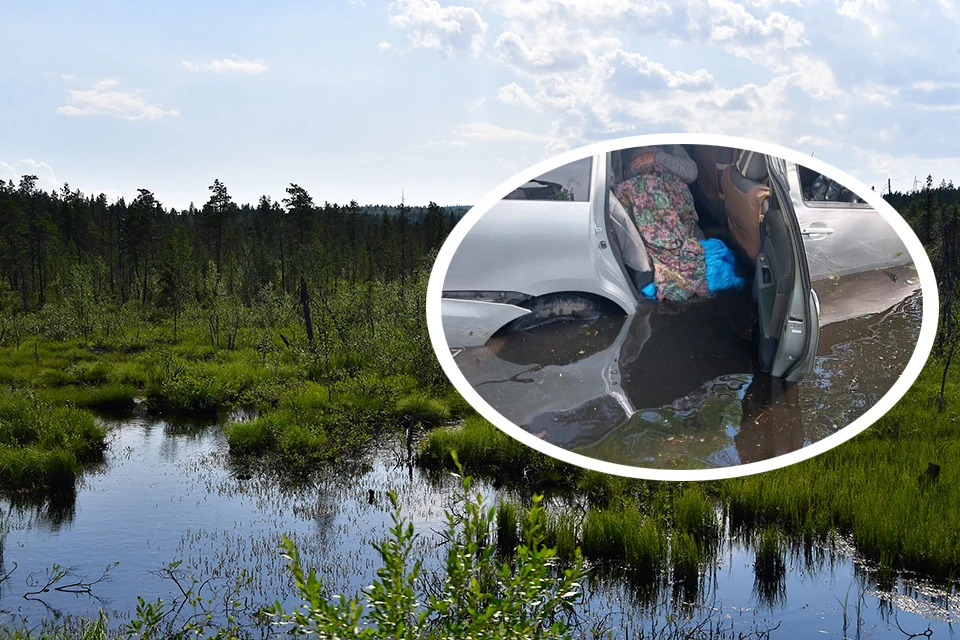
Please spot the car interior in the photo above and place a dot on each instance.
(734, 202)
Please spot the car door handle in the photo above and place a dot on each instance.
(816, 231)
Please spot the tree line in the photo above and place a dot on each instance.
(159, 256)
(934, 215)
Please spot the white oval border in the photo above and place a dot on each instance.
(928, 326)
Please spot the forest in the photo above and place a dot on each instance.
(197, 310)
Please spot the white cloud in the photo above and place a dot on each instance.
(233, 64)
(938, 107)
(877, 167)
(514, 94)
(873, 92)
(100, 100)
(768, 41)
(951, 9)
(866, 11)
(930, 85)
(817, 142)
(452, 30)
(653, 74)
(46, 180)
(764, 69)
(384, 46)
(815, 77)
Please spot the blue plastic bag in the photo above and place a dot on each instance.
(721, 269)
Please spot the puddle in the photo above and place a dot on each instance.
(169, 491)
(679, 387)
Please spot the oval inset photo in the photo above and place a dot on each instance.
(682, 307)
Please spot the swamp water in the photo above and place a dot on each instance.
(169, 492)
(681, 387)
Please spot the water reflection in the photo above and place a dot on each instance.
(223, 518)
(678, 386)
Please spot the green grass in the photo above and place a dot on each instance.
(769, 566)
(305, 416)
(687, 558)
(560, 531)
(625, 537)
(42, 445)
(695, 512)
(419, 407)
(508, 528)
(111, 397)
(312, 423)
(770, 553)
(255, 436)
(482, 448)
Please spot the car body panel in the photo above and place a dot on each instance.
(539, 247)
(470, 323)
(856, 237)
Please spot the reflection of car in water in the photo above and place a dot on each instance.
(668, 388)
(654, 388)
(549, 251)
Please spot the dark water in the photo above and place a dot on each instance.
(679, 387)
(169, 492)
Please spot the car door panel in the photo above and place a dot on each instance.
(787, 305)
(843, 238)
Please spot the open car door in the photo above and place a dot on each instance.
(788, 307)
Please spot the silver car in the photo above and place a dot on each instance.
(549, 251)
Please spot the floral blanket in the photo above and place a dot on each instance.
(662, 208)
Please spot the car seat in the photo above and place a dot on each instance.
(746, 199)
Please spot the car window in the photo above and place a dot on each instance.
(818, 188)
(571, 182)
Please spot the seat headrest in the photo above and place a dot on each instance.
(752, 165)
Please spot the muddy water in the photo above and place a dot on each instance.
(169, 492)
(679, 387)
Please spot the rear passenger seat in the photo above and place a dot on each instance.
(732, 189)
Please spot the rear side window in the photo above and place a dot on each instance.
(819, 189)
(571, 183)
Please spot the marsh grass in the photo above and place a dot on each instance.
(113, 397)
(314, 422)
(687, 560)
(508, 530)
(695, 512)
(769, 566)
(419, 407)
(560, 531)
(79, 629)
(252, 437)
(484, 449)
(305, 417)
(42, 445)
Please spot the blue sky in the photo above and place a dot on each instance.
(445, 100)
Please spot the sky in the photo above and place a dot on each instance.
(442, 101)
